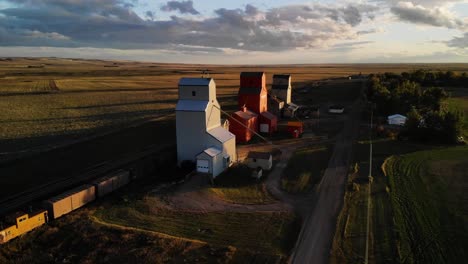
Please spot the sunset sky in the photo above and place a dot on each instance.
(239, 32)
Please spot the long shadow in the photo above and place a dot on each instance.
(173, 90)
(108, 116)
(27, 172)
(122, 104)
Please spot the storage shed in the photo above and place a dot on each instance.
(295, 129)
(198, 122)
(243, 124)
(268, 123)
(211, 161)
(253, 93)
(281, 87)
(262, 160)
(397, 119)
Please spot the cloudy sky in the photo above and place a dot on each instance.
(240, 32)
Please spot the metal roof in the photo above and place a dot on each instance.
(259, 155)
(397, 115)
(221, 134)
(252, 74)
(281, 76)
(268, 115)
(245, 115)
(195, 81)
(70, 192)
(212, 152)
(191, 105)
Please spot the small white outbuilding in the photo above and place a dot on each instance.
(397, 119)
(262, 160)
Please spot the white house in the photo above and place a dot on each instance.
(398, 120)
(200, 136)
(262, 160)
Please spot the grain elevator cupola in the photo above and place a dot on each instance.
(200, 136)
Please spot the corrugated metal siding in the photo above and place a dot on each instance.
(243, 132)
(71, 200)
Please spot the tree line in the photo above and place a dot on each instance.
(416, 96)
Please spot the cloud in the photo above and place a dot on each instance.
(184, 7)
(425, 3)
(438, 17)
(113, 24)
(459, 42)
(46, 35)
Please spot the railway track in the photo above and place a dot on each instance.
(37, 193)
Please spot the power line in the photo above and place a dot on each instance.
(239, 122)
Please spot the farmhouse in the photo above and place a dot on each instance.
(262, 160)
(397, 119)
(200, 136)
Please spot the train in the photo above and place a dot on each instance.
(21, 223)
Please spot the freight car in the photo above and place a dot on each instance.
(111, 182)
(71, 200)
(57, 206)
(21, 224)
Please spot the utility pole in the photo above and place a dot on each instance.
(366, 258)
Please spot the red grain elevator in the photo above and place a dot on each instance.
(253, 92)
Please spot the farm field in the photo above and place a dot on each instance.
(350, 235)
(428, 192)
(49, 101)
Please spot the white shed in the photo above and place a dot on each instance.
(198, 125)
(262, 160)
(397, 119)
(210, 161)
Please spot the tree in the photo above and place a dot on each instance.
(432, 98)
(452, 125)
(406, 95)
(413, 121)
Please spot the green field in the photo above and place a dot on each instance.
(305, 169)
(428, 192)
(237, 186)
(270, 234)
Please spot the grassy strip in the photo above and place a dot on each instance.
(78, 239)
(237, 186)
(305, 168)
(350, 236)
(268, 233)
(427, 190)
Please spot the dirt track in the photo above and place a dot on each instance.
(317, 232)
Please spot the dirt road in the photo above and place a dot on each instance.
(318, 229)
